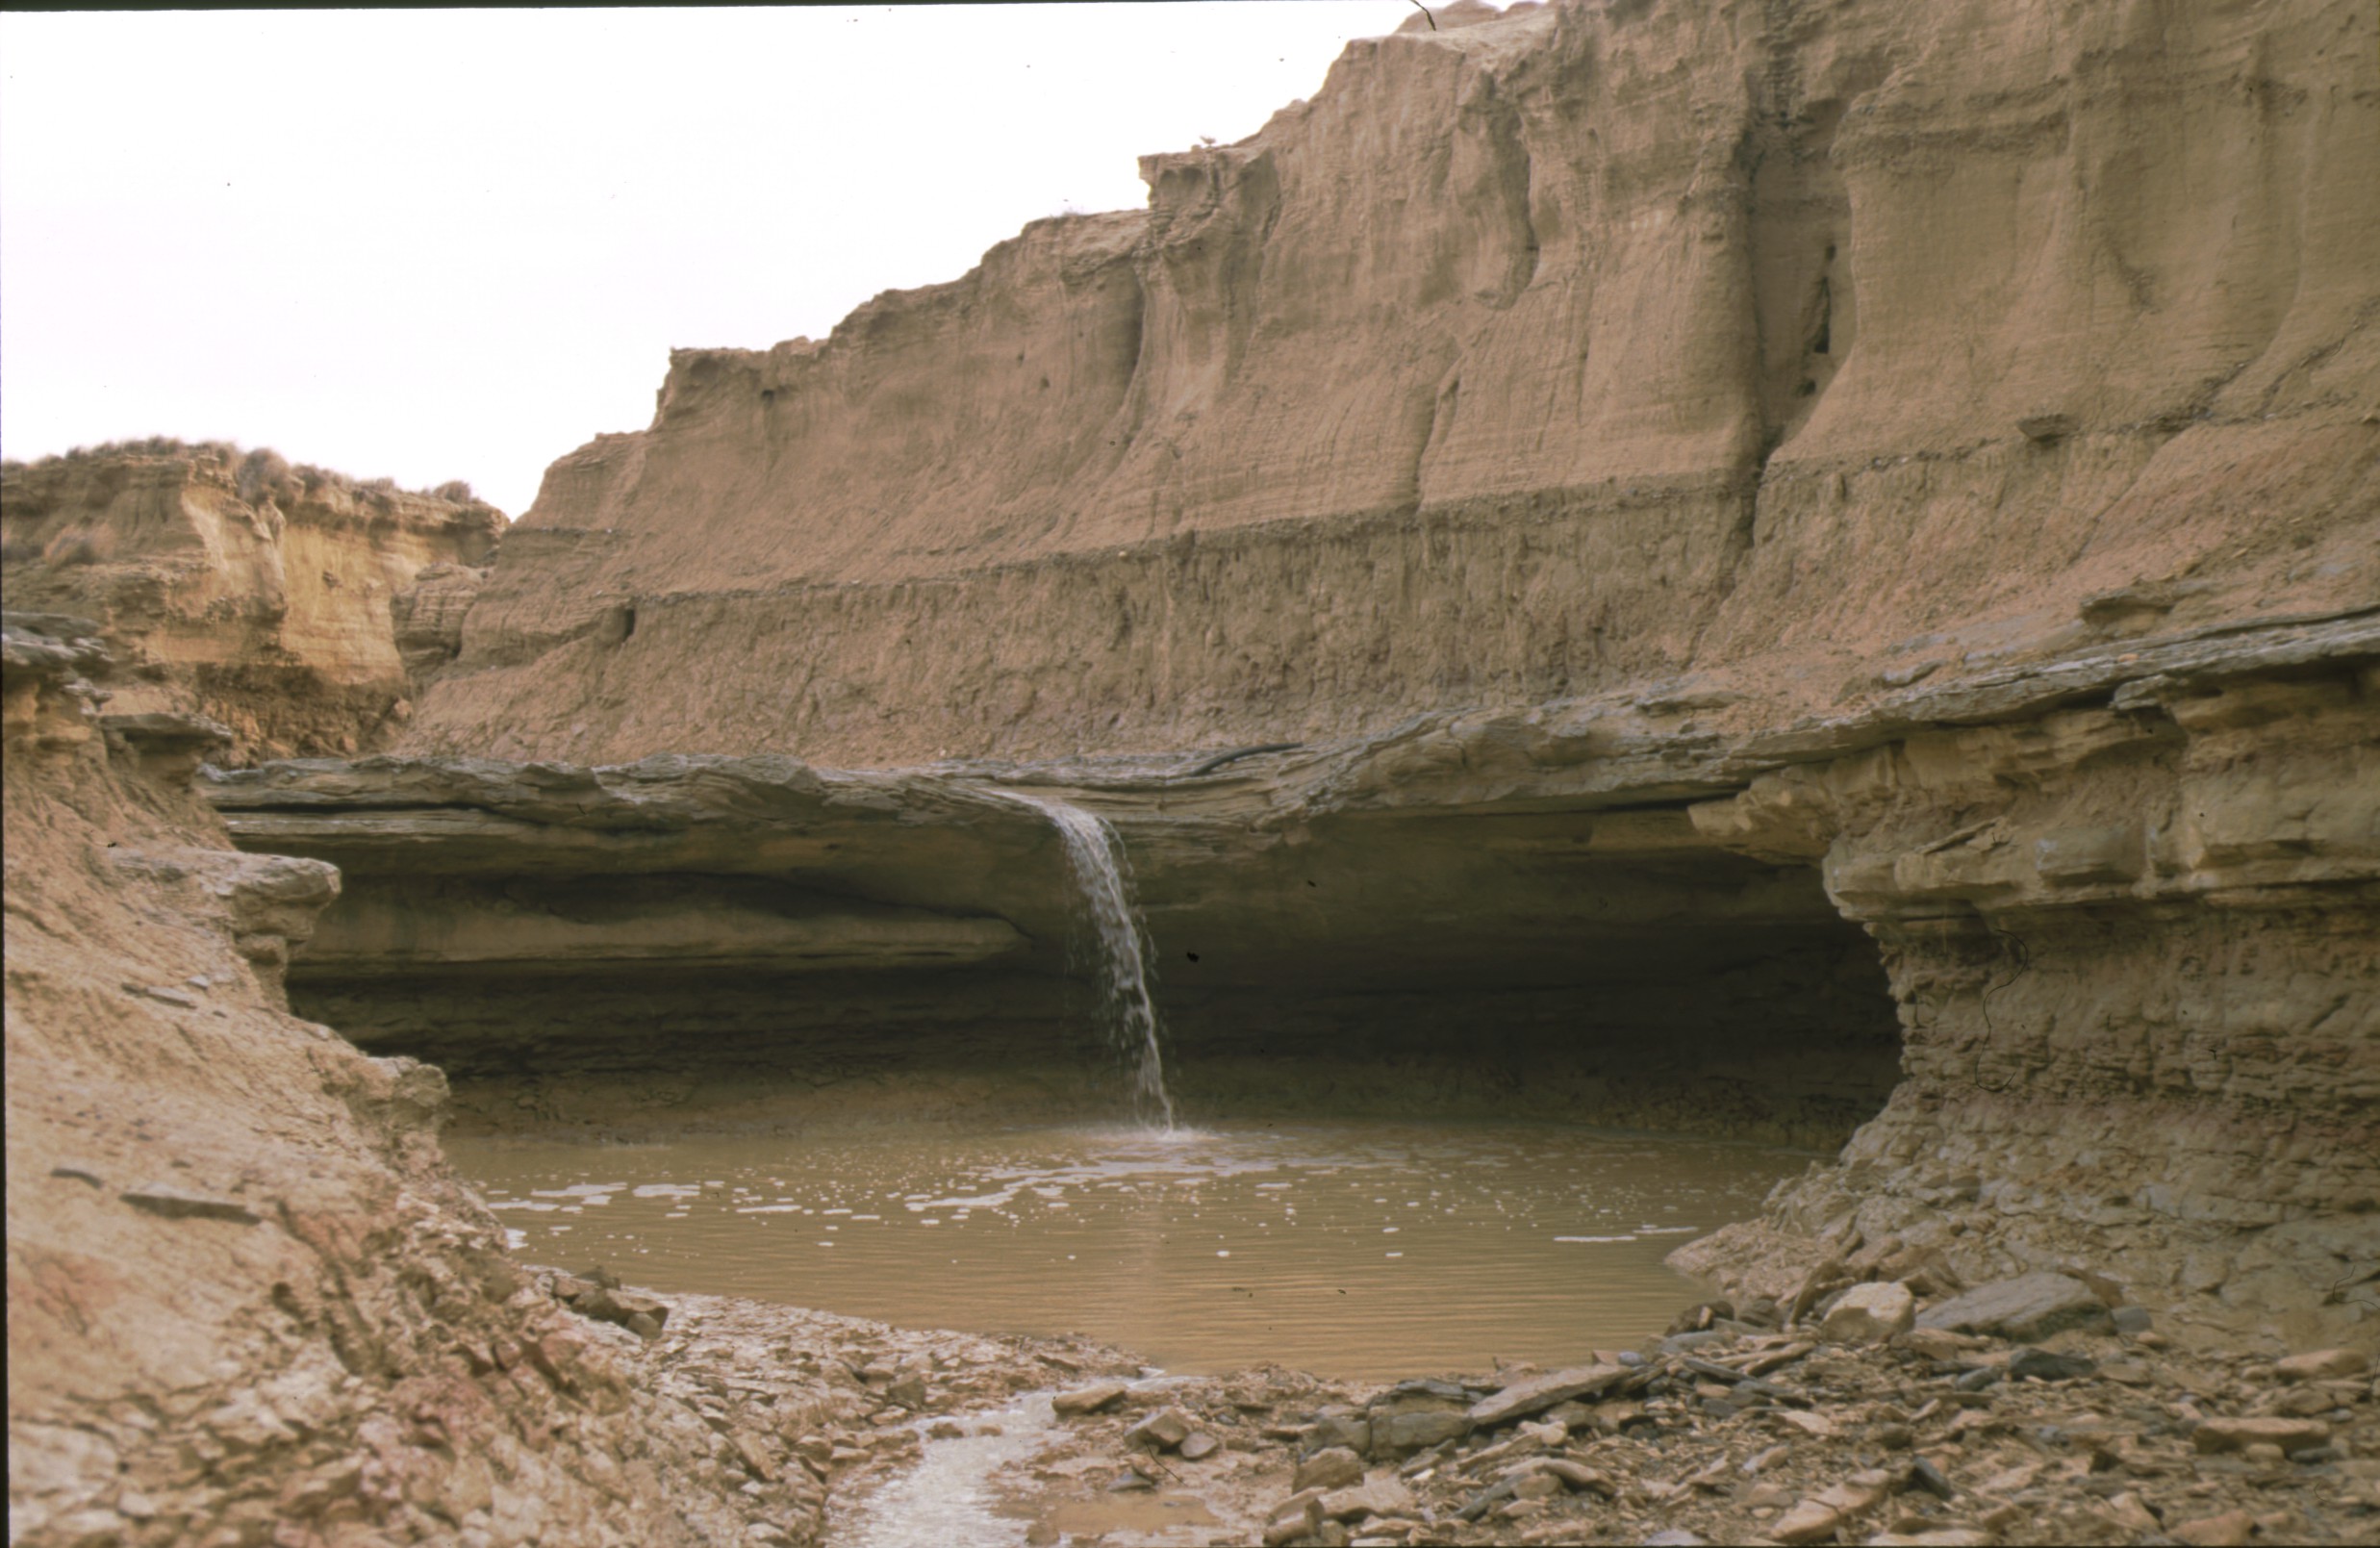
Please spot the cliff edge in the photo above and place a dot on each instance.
(294, 605)
(1793, 353)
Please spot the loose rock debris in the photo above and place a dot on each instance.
(1731, 1432)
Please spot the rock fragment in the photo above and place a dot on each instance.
(1361, 1501)
(2316, 1365)
(1869, 1314)
(2029, 1306)
(2236, 1434)
(1090, 1399)
(1332, 1467)
(1535, 1394)
(1807, 1522)
(2233, 1529)
(181, 1204)
(1166, 1430)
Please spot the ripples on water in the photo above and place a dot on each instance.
(1355, 1250)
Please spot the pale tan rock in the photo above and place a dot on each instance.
(1425, 333)
(1535, 1394)
(285, 1251)
(1333, 1468)
(2233, 1434)
(2322, 1364)
(1082, 1399)
(242, 589)
(1807, 1522)
(2233, 1529)
(1385, 1496)
(1869, 1314)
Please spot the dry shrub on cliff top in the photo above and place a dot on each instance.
(258, 474)
(265, 474)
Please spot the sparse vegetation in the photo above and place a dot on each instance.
(256, 474)
(264, 474)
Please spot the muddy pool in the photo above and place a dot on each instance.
(1350, 1250)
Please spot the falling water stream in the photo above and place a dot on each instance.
(1096, 857)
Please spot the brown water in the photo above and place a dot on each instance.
(1355, 1250)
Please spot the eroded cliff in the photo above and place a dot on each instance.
(1793, 351)
(247, 1300)
(294, 606)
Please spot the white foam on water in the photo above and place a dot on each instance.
(947, 1498)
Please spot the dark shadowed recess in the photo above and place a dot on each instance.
(1598, 968)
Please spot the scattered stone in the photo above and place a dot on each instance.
(1087, 1399)
(2040, 1365)
(1814, 1425)
(909, 1391)
(1330, 1468)
(1676, 1538)
(1165, 1430)
(1869, 1314)
(1395, 1434)
(2233, 1529)
(1197, 1448)
(2316, 1365)
(597, 1294)
(1340, 1427)
(2233, 1434)
(1807, 1522)
(1298, 1516)
(180, 1204)
(1698, 1318)
(1579, 1476)
(1535, 1394)
(1924, 1474)
(1937, 1344)
(2132, 1321)
(1381, 1496)
(2030, 1306)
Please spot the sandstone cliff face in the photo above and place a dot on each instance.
(1784, 349)
(248, 1302)
(289, 604)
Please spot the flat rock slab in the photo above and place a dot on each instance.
(180, 1204)
(1088, 1399)
(2315, 1365)
(1537, 1393)
(2031, 1306)
(2231, 1434)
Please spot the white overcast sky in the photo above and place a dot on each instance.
(457, 244)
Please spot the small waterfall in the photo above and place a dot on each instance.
(1096, 857)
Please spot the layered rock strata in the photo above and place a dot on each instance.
(247, 1301)
(296, 607)
(2124, 900)
(728, 940)
(1798, 351)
